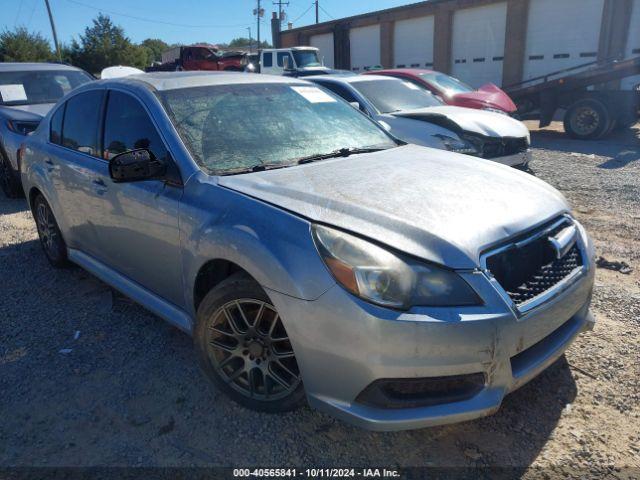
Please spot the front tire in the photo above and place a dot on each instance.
(49, 233)
(8, 179)
(244, 349)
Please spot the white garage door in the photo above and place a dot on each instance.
(413, 43)
(365, 47)
(633, 44)
(561, 34)
(478, 44)
(324, 43)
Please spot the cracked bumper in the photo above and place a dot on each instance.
(344, 344)
(520, 160)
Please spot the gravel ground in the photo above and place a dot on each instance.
(89, 379)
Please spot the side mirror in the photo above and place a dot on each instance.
(286, 62)
(136, 165)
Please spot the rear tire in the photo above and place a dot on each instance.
(9, 179)
(587, 119)
(243, 348)
(49, 233)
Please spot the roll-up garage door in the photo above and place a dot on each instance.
(478, 44)
(324, 43)
(633, 44)
(413, 43)
(365, 47)
(561, 34)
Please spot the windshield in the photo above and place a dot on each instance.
(450, 85)
(26, 88)
(392, 95)
(233, 127)
(306, 58)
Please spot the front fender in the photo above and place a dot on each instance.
(275, 247)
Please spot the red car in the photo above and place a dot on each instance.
(453, 91)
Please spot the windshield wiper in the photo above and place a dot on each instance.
(341, 152)
(260, 167)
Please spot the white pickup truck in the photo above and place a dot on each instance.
(294, 61)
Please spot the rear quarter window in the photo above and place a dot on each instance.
(55, 126)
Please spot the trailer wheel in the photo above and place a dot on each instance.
(587, 120)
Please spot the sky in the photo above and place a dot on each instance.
(174, 21)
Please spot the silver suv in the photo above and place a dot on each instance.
(308, 252)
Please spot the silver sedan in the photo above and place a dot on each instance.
(311, 255)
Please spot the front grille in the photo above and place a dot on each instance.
(527, 271)
(504, 147)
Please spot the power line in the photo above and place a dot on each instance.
(327, 13)
(15, 22)
(142, 19)
(304, 13)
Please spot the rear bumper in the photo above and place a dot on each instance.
(343, 345)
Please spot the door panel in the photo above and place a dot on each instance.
(478, 44)
(413, 43)
(74, 163)
(365, 47)
(138, 225)
(561, 35)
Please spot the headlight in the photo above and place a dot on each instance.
(385, 278)
(457, 145)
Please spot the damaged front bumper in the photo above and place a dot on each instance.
(381, 369)
(520, 159)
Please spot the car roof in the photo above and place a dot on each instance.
(35, 67)
(175, 80)
(351, 78)
(404, 71)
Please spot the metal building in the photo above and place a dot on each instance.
(479, 41)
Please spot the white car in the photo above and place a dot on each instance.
(416, 116)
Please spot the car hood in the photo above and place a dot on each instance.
(436, 205)
(481, 122)
(487, 95)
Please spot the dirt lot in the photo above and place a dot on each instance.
(88, 378)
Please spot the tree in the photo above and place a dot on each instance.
(21, 46)
(105, 45)
(154, 47)
(243, 42)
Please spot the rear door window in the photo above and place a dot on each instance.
(82, 121)
(127, 126)
(267, 59)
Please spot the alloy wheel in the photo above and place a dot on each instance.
(251, 351)
(47, 229)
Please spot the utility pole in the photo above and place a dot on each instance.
(53, 31)
(280, 3)
(317, 16)
(250, 41)
(258, 12)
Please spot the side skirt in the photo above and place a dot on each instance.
(165, 310)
